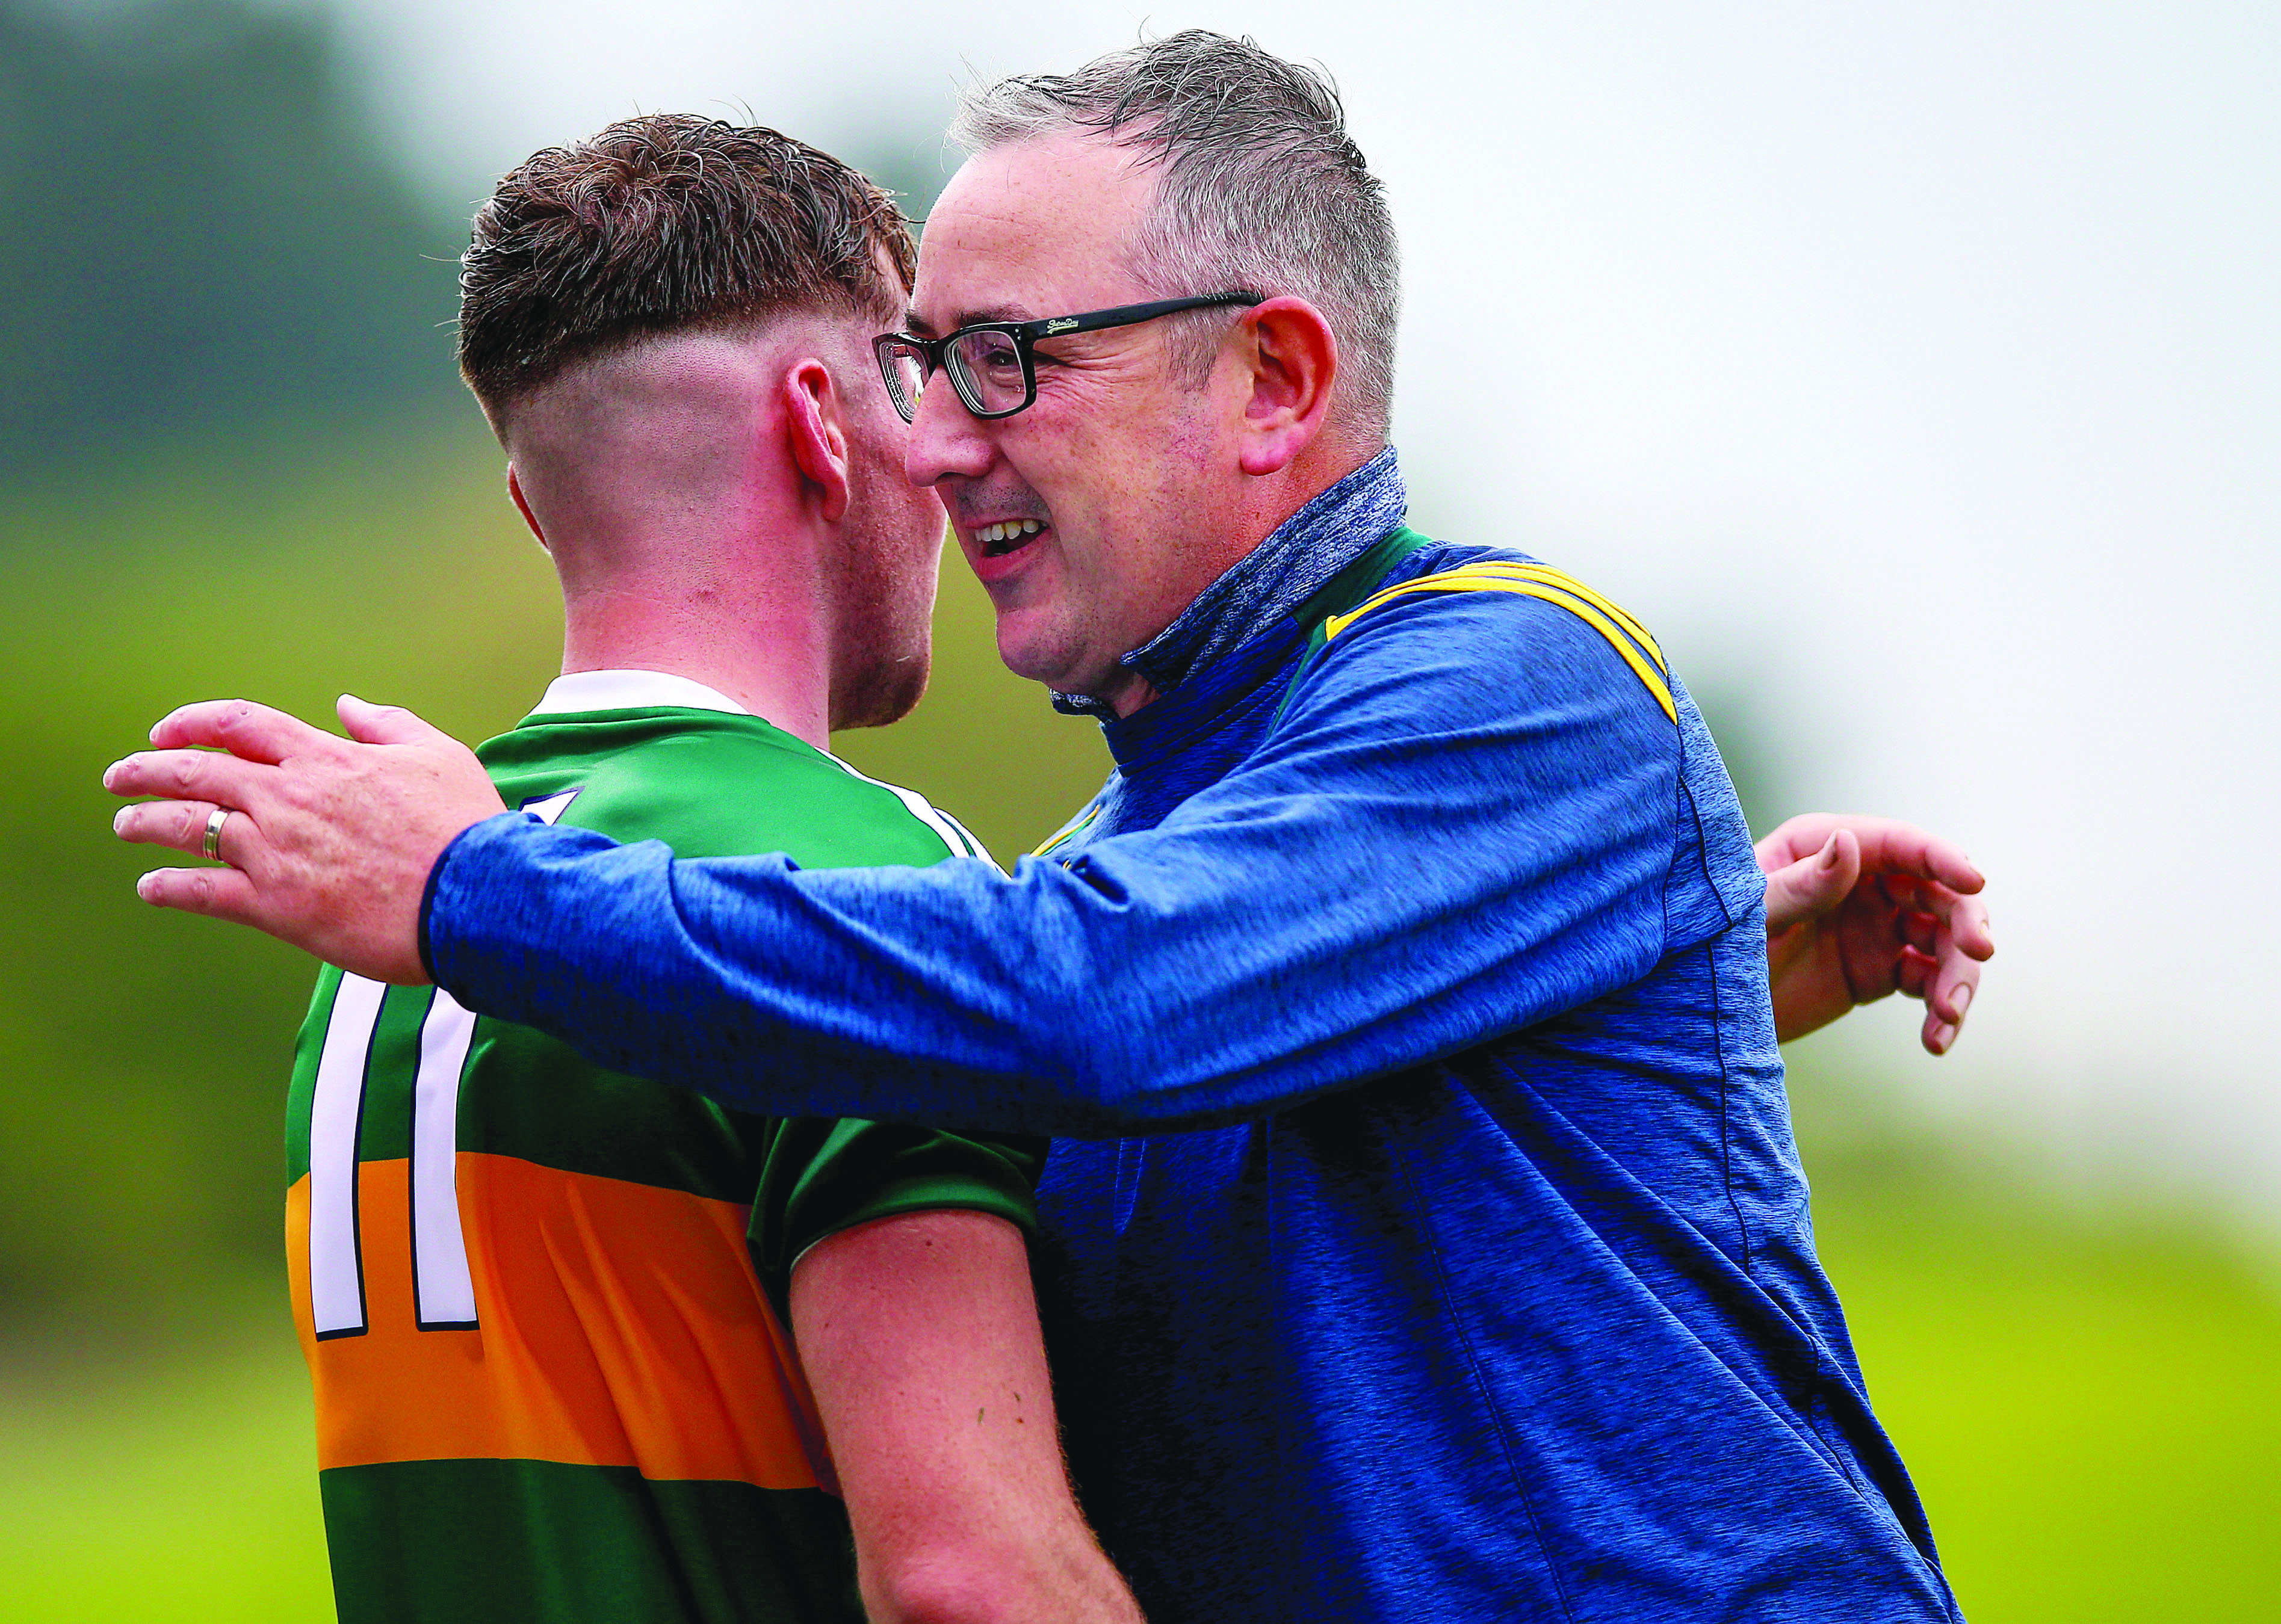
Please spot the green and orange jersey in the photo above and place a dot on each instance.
(551, 1384)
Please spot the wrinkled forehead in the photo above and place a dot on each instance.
(1037, 228)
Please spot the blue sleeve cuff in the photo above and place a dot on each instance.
(428, 895)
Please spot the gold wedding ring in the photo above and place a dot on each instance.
(215, 819)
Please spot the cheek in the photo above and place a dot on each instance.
(1091, 485)
(927, 527)
(1117, 468)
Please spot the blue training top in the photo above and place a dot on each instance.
(1427, 1241)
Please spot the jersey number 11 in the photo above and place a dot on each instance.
(444, 1293)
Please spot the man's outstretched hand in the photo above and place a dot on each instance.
(1858, 907)
(330, 839)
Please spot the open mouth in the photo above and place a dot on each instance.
(998, 540)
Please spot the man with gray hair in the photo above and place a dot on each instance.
(1424, 1239)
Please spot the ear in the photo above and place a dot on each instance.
(1293, 362)
(815, 425)
(523, 505)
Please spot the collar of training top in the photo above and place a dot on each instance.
(583, 691)
(1275, 577)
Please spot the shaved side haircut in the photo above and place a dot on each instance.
(666, 223)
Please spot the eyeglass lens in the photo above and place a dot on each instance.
(989, 365)
(905, 369)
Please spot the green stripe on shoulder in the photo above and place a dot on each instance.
(1344, 591)
(1359, 579)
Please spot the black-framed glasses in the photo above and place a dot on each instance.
(993, 365)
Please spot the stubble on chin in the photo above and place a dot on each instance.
(884, 603)
(886, 639)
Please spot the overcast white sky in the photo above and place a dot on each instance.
(1919, 363)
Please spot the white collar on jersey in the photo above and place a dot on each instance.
(592, 691)
(585, 691)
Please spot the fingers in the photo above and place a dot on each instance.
(1914, 927)
(208, 776)
(1813, 885)
(218, 894)
(1966, 921)
(1913, 971)
(1911, 921)
(1944, 971)
(1951, 986)
(1933, 918)
(1892, 847)
(1943, 1020)
(386, 724)
(222, 752)
(1795, 838)
(1945, 1011)
(181, 826)
(254, 732)
(1888, 847)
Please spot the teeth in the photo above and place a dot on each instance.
(991, 535)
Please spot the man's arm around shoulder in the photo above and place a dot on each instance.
(1421, 855)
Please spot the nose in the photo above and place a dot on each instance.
(946, 438)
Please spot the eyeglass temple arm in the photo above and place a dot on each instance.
(1127, 315)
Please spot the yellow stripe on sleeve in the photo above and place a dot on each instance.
(1549, 586)
(1570, 584)
(1075, 827)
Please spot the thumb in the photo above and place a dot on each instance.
(1813, 885)
(385, 724)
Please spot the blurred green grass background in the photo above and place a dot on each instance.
(2086, 1389)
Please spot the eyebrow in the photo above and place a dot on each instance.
(919, 327)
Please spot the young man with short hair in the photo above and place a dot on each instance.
(550, 1384)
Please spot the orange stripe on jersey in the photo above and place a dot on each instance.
(621, 1325)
